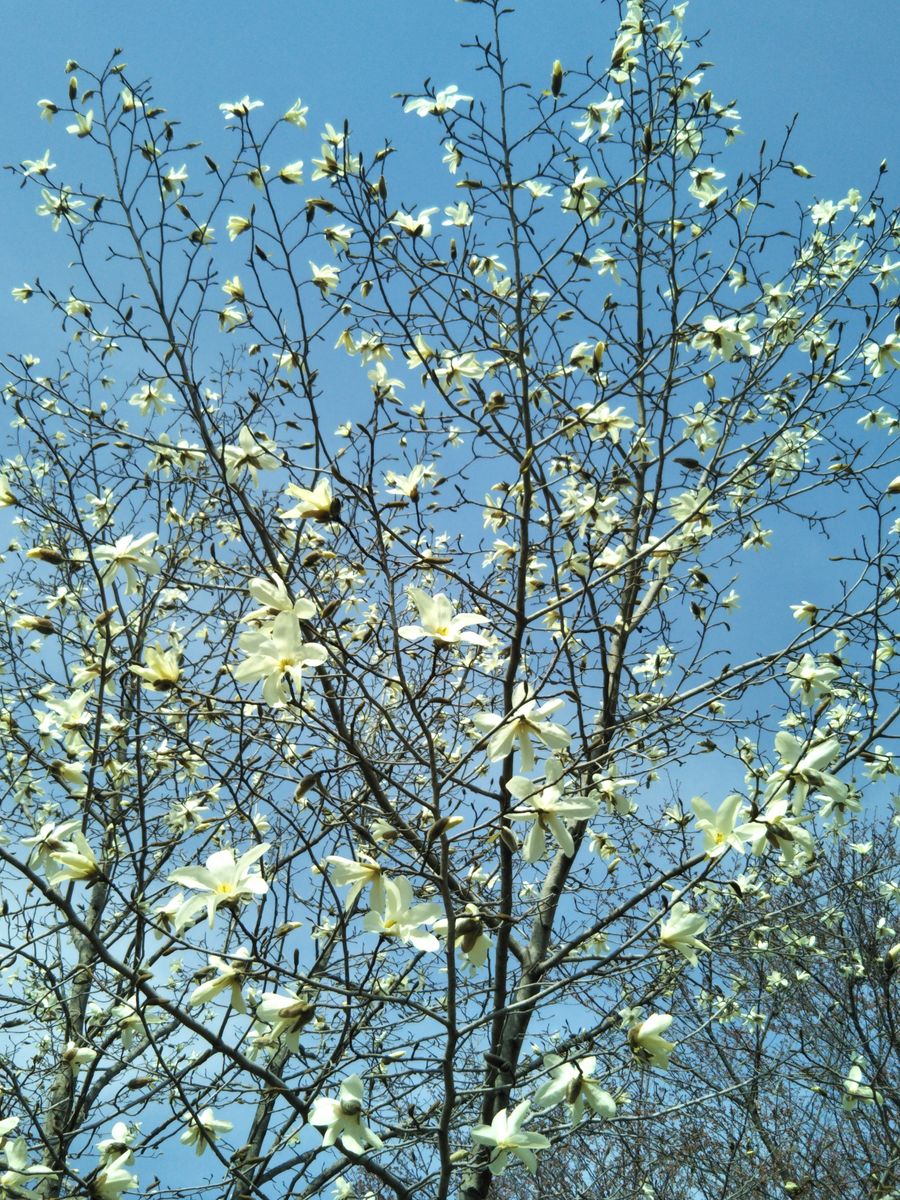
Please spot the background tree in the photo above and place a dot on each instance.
(348, 833)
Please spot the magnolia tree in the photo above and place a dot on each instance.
(447, 652)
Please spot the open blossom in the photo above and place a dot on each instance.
(402, 918)
(802, 768)
(547, 809)
(679, 931)
(439, 621)
(278, 655)
(296, 114)
(254, 453)
(409, 485)
(507, 1135)
(40, 166)
(235, 226)
(130, 555)
(773, 827)
(525, 721)
(358, 874)
(648, 1045)
(599, 118)
(50, 837)
(444, 101)
(152, 396)
(325, 278)
(223, 881)
(204, 1129)
(274, 597)
(230, 975)
(703, 186)
(114, 1178)
(469, 937)
(726, 337)
(77, 861)
(20, 1172)
(419, 226)
(82, 125)
(161, 668)
(286, 1015)
(720, 827)
(7, 496)
(343, 1118)
(856, 1092)
(812, 678)
(60, 206)
(240, 108)
(606, 422)
(571, 1083)
(880, 357)
(313, 504)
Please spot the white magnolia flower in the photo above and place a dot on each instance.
(122, 1136)
(409, 485)
(115, 1178)
(439, 621)
(599, 118)
(469, 937)
(60, 207)
(444, 101)
(254, 453)
(720, 827)
(880, 357)
(131, 1017)
(773, 827)
(724, 338)
(359, 874)
(230, 974)
(419, 226)
(679, 932)
(274, 597)
(313, 504)
(571, 1083)
(343, 1118)
(161, 668)
(325, 278)
(240, 108)
(50, 837)
(222, 881)
(648, 1045)
(856, 1092)
(152, 396)
(130, 555)
(203, 1130)
(812, 678)
(703, 186)
(525, 721)
(296, 114)
(402, 918)
(77, 861)
(287, 1016)
(506, 1135)
(82, 125)
(278, 655)
(548, 809)
(77, 1056)
(802, 768)
(20, 1172)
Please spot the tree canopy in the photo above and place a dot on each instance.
(447, 653)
